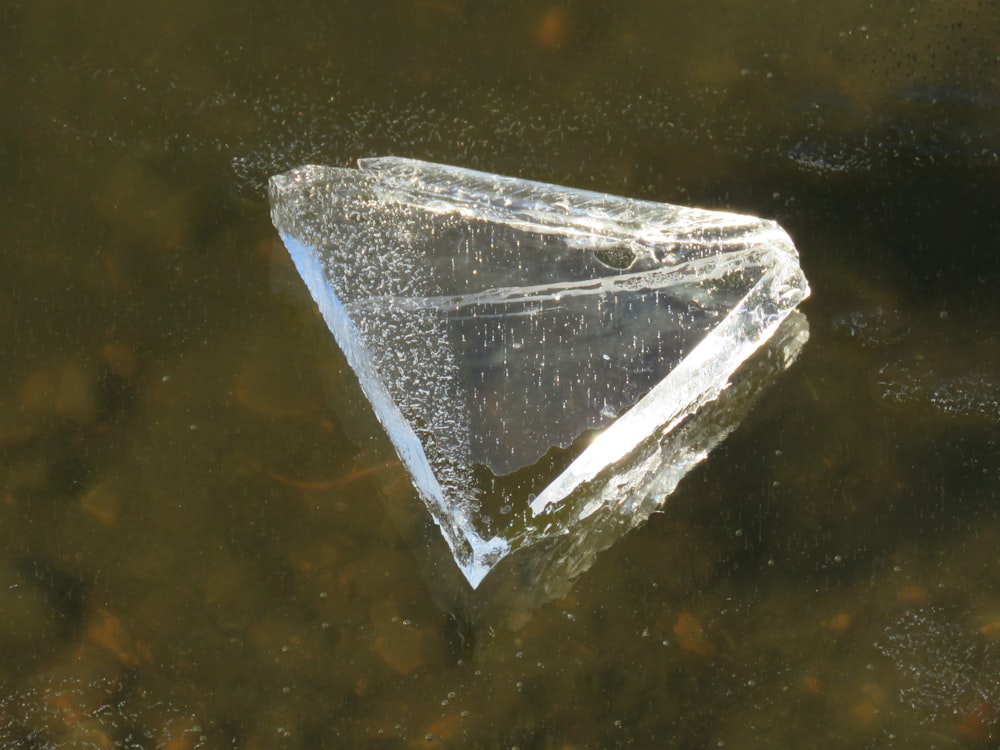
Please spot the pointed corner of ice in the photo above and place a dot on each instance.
(486, 554)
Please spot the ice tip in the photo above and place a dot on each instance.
(486, 554)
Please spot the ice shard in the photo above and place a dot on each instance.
(532, 351)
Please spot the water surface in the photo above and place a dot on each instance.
(200, 551)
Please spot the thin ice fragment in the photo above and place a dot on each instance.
(520, 341)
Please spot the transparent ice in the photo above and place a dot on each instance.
(528, 348)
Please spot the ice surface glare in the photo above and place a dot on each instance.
(491, 319)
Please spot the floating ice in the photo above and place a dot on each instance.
(531, 349)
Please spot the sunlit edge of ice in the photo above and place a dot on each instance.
(474, 555)
(698, 379)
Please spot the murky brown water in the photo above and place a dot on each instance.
(195, 553)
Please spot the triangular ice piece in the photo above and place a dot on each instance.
(497, 324)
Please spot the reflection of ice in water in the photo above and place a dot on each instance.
(491, 319)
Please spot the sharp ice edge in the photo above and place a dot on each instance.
(470, 550)
(699, 378)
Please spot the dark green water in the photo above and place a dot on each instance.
(194, 552)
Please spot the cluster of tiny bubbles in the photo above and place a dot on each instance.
(941, 664)
(36, 715)
(928, 93)
(271, 126)
(496, 129)
(478, 129)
